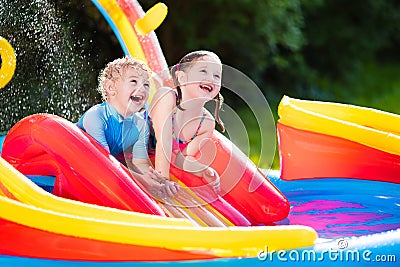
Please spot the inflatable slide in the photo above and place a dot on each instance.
(323, 139)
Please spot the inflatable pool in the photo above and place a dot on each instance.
(37, 224)
(339, 140)
(332, 221)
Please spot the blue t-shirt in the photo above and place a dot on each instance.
(104, 124)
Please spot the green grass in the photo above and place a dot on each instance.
(256, 141)
(377, 87)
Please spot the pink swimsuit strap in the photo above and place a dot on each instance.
(183, 143)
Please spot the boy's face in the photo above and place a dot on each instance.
(132, 91)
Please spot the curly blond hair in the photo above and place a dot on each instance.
(115, 70)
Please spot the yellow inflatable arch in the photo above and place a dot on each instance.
(8, 62)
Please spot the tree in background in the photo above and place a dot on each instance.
(295, 47)
(252, 36)
(51, 74)
(60, 47)
(350, 45)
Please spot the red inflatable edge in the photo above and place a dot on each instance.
(306, 154)
(24, 241)
(44, 144)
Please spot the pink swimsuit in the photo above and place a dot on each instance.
(178, 144)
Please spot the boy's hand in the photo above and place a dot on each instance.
(212, 178)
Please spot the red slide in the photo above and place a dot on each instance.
(44, 144)
(242, 184)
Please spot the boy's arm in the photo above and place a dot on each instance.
(140, 170)
(143, 169)
(94, 125)
(140, 159)
(140, 156)
(140, 165)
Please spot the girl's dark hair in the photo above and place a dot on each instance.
(183, 65)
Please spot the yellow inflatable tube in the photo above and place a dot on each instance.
(122, 28)
(29, 193)
(72, 218)
(367, 126)
(152, 19)
(224, 242)
(8, 62)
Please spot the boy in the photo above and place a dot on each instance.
(118, 123)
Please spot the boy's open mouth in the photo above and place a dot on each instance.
(207, 88)
(137, 98)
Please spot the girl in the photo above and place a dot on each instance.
(180, 121)
(118, 123)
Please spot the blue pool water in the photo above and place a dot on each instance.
(342, 207)
(333, 207)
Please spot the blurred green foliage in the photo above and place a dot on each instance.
(287, 47)
(52, 73)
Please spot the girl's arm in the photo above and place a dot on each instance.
(160, 111)
(142, 167)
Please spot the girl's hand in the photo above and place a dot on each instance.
(168, 188)
(153, 186)
(212, 178)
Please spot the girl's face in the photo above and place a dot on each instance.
(202, 79)
(131, 91)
